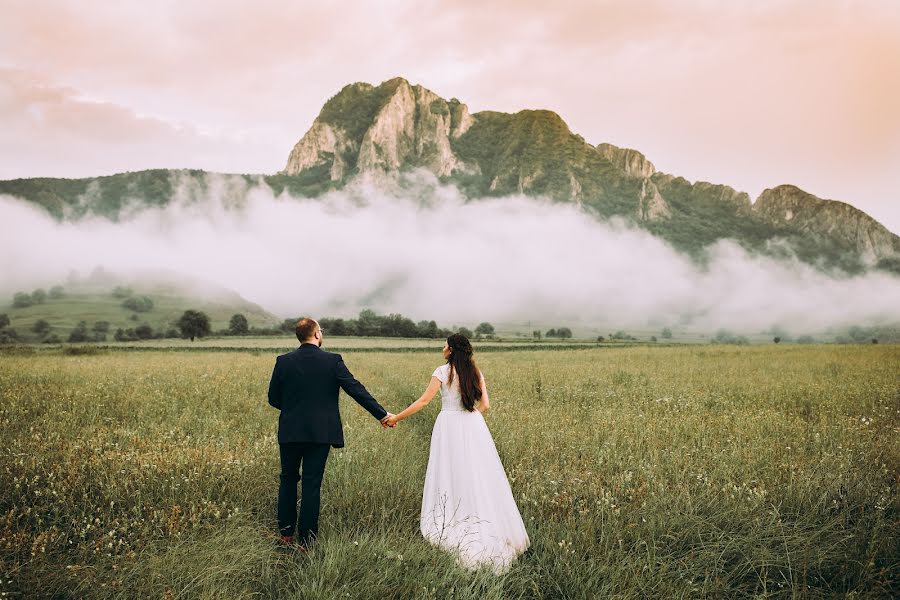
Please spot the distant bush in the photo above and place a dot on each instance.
(80, 333)
(52, 339)
(536, 334)
(22, 300)
(601, 339)
(57, 292)
(652, 338)
(143, 332)
(39, 296)
(484, 329)
(621, 335)
(121, 292)
(466, 332)
(194, 324)
(101, 327)
(806, 339)
(125, 335)
(562, 333)
(666, 333)
(41, 327)
(8, 335)
(238, 325)
(4, 320)
(777, 339)
(138, 303)
(723, 336)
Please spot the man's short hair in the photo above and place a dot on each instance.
(306, 328)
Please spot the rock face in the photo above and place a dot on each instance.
(383, 129)
(632, 162)
(790, 207)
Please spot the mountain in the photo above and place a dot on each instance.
(381, 131)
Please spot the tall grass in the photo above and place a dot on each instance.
(640, 472)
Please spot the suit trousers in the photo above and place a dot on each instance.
(312, 457)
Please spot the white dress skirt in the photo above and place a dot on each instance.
(467, 504)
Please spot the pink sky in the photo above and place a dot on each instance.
(749, 93)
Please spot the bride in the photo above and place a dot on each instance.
(467, 505)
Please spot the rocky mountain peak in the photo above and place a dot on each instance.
(382, 128)
(631, 161)
(795, 209)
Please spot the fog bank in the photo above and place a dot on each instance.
(425, 252)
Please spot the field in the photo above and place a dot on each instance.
(662, 472)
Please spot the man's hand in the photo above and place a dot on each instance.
(389, 421)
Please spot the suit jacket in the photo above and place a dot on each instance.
(304, 387)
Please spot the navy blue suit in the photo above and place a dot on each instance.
(305, 386)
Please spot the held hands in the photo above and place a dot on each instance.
(389, 421)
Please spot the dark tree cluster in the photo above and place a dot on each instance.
(24, 299)
(562, 333)
(139, 304)
(8, 335)
(371, 324)
(723, 336)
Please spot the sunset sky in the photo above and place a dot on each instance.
(750, 93)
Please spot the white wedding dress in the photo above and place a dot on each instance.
(467, 504)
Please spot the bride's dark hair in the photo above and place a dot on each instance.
(463, 365)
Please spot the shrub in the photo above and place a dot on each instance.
(22, 300)
(41, 327)
(138, 303)
(80, 333)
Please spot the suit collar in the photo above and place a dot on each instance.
(306, 346)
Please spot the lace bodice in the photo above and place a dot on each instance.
(451, 399)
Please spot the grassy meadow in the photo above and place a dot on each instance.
(641, 472)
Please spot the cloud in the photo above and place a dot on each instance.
(54, 130)
(427, 253)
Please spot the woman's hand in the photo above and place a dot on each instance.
(391, 421)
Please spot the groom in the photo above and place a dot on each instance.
(304, 387)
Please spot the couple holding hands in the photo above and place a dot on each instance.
(467, 504)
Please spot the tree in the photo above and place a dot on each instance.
(466, 332)
(652, 338)
(101, 327)
(80, 333)
(484, 329)
(666, 333)
(238, 325)
(601, 339)
(777, 339)
(536, 334)
(564, 333)
(550, 333)
(139, 303)
(39, 296)
(427, 329)
(121, 292)
(194, 324)
(41, 327)
(57, 292)
(143, 332)
(22, 300)
(4, 320)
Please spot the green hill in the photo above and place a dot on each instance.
(94, 302)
